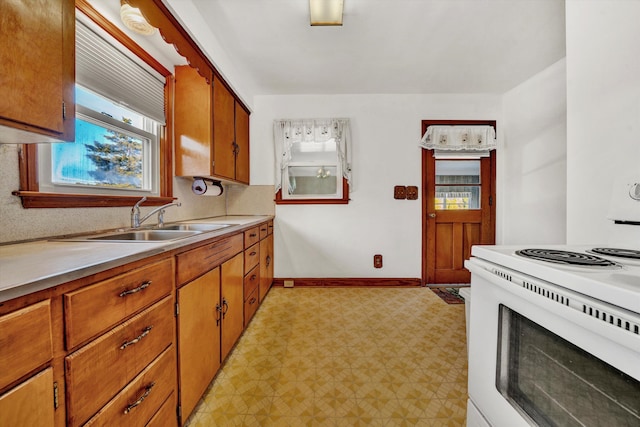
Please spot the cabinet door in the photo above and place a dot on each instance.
(198, 337)
(233, 302)
(242, 149)
(38, 69)
(193, 127)
(223, 131)
(30, 403)
(266, 265)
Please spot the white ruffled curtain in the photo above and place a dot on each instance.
(288, 132)
(459, 138)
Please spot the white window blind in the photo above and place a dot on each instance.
(102, 68)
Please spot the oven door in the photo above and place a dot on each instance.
(536, 360)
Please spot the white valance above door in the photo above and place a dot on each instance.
(461, 138)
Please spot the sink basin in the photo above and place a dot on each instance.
(195, 227)
(145, 235)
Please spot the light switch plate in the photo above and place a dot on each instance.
(412, 192)
(399, 192)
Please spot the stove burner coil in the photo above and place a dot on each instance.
(565, 257)
(622, 253)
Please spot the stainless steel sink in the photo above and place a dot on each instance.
(143, 236)
(195, 227)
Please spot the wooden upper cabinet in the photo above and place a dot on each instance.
(38, 71)
(211, 129)
(223, 131)
(242, 139)
(193, 131)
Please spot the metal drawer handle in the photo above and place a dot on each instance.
(252, 235)
(268, 260)
(144, 333)
(147, 390)
(142, 287)
(252, 253)
(253, 278)
(252, 300)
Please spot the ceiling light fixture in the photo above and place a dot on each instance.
(326, 12)
(132, 18)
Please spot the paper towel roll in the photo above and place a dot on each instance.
(207, 187)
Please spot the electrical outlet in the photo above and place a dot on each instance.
(377, 261)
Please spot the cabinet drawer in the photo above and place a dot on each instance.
(97, 371)
(251, 257)
(251, 281)
(251, 236)
(264, 230)
(25, 341)
(250, 307)
(196, 262)
(142, 398)
(166, 415)
(96, 308)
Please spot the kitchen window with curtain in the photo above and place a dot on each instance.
(312, 161)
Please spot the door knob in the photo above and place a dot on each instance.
(432, 215)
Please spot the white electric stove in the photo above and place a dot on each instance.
(555, 336)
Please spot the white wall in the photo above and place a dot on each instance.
(340, 240)
(603, 110)
(533, 159)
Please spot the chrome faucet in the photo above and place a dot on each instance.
(136, 221)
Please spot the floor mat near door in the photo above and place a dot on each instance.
(449, 295)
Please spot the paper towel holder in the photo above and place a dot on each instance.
(202, 185)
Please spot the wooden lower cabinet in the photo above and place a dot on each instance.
(210, 321)
(97, 371)
(29, 403)
(266, 266)
(137, 403)
(136, 345)
(232, 303)
(198, 337)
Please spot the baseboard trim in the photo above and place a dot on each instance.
(351, 282)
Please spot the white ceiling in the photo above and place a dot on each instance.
(390, 46)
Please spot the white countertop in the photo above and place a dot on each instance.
(33, 266)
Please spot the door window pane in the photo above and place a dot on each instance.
(457, 184)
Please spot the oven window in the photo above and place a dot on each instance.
(554, 383)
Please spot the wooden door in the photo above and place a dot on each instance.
(29, 403)
(458, 212)
(242, 139)
(198, 337)
(223, 131)
(232, 302)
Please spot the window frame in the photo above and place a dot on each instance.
(29, 191)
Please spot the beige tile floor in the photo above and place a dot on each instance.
(344, 357)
